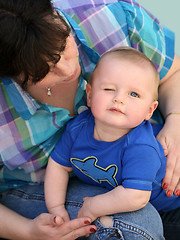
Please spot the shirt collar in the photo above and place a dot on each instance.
(75, 29)
(24, 104)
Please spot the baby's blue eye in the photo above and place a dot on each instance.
(134, 94)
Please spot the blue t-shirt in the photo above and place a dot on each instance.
(135, 161)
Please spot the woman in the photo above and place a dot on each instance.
(46, 55)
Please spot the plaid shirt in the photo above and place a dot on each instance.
(29, 130)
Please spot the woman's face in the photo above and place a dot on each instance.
(66, 70)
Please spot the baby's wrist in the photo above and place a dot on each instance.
(57, 209)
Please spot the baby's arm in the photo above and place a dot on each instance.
(118, 200)
(56, 181)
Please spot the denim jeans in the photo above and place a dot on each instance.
(139, 225)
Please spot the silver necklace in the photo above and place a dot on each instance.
(49, 91)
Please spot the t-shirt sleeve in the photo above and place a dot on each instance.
(61, 152)
(147, 35)
(140, 165)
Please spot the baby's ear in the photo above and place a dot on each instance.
(88, 92)
(151, 110)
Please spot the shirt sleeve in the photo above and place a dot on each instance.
(139, 167)
(147, 35)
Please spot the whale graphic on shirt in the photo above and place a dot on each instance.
(89, 167)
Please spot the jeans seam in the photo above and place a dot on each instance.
(132, 228)
(23, 195)
(73, 203)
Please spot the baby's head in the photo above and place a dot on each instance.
(124, 80)
(132, 56)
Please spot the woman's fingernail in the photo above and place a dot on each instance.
(87, 222)
(165, 186)
(169, 193)
(92, 230)
(177, 193)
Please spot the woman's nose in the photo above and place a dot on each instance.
(63, 67)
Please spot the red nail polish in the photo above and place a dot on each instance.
(169, 193)
(165, 186)
(87, 222)
(177, 193)
(92, 230)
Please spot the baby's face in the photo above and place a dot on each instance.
(122, 93)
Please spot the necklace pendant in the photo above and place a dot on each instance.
(49, 91)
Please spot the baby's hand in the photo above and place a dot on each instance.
(87, 209)
(61, 212)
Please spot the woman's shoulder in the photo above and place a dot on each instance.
(80, 120)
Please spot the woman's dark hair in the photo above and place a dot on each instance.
(32, 34)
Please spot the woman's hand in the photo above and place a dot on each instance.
(169, 137)
(48, 227)
(44, 227)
